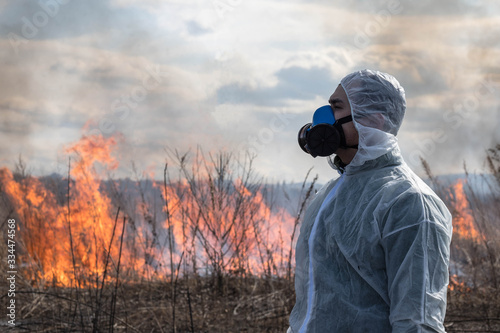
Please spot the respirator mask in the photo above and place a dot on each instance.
(325, 134)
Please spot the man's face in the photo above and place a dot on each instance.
(341, 108)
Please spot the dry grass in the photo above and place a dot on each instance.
(202, 304)
(475, 310)
(235, 304)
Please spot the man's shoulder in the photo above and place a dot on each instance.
(401, 188)
(399, 178)
(412, 201)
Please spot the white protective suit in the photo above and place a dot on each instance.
(374, 246)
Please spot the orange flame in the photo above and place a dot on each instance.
(64, 240)
(463, 221)
(77, 235)
(456, 284)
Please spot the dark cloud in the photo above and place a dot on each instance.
(196, 29)
(419, 77)
(417, 8)
(448, 7)
(48, 19)
(294, 83)
(13, 122)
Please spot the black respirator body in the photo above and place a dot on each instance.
(325, 134)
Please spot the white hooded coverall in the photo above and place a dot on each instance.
(374, 245)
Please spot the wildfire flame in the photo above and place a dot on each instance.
(79, 234)
(64, 240)
(463, 221)
(457, 285)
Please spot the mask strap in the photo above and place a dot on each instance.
(338, 124)
(344, 120)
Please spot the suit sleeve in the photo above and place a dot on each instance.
(416, 241)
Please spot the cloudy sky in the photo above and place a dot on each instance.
(240, 75)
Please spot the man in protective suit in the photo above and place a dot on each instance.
(374, 246)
